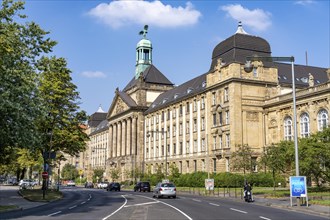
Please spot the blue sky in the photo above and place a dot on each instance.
(98, 38)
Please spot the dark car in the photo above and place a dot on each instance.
(89, 185)
(142, 186)
(113, 187)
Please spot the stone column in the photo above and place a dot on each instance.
(134, 130)
(110, 144)
(128, 136)
(123, 139)
(119, 139)
(114, 140)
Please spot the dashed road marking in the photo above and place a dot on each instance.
(55, 213)
(264, 218)
(196, 200)
(146, 203)
(214, 204)
(72, 207)
(237, 210)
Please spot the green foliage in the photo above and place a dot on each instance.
(98, 174)
(21, 45)
(114, 173)
(241, 159)
(69, 172)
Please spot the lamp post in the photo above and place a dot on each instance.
(248, 68)
(105, 158)
(163, 132)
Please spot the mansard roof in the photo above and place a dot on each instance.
(179, 93)
(103, 126)
(301, 73)
(96, 118)
(151, 75)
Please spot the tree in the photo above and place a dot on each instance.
(274, 159)
(21, 45)
(242, 159)
(63, 126)
(69, 172)
(114, 173)
(98, 173)
(314, 157)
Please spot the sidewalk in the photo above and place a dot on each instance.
(9, 196)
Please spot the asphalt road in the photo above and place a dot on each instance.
(87, 204)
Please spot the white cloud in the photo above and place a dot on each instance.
(94, 74)
(304, 2)
(257, 19)
(120, 13)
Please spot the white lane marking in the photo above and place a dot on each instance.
(196, 200)
(117, 209)
(72, 207)
(214, 204)
(237, 210)
(82, 203)
(54, 213)
(264, 218)
(146, 203)
(187, 216)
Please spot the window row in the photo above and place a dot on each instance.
(322, 122)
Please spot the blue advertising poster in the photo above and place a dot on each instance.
(298, 186)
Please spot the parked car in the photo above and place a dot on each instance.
(165, 189)
(89, 185)
(27, 182)
(102, 185)
(142, 186)
(113, 187)
(70, 183)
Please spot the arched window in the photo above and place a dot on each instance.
(322, 119)
(288, 128)
(304, 125)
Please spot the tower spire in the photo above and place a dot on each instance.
(143, 53)
(240, 29)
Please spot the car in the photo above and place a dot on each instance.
(102, 185)
(142, 186)
(164, 189)
(70, 183)
(113, 187)
(27, 182)
(89, 185)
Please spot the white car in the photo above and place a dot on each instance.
(27, 182)
(70, 183)
(102, 185)
(164, 189)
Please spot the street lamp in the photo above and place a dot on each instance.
(249, 67)
(166, 149)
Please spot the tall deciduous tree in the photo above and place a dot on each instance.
(241, 159)
(21, 45)
(64, 125)
(69, 172)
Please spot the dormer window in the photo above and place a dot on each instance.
(189, 90)
(164, 100)
(284, 77)
(304, 79)
(176, 95)
(204, 84)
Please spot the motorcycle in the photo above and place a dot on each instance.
(248, 196)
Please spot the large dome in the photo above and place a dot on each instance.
(237, 47)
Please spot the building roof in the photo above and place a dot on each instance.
(187, 89)
(102, 126)
(96, 118)
(301, 73)
(151, 75)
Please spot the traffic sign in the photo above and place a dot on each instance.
(44, 175)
